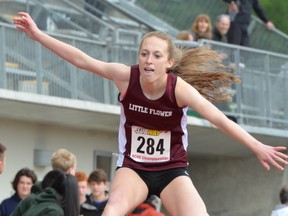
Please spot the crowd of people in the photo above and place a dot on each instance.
(230, 27)
(56, 194)
(63, 190)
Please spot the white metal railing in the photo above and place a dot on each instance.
(261, 99)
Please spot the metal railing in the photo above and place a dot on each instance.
(94, 19)
(261, 99)
(29, 67)
(58, 16)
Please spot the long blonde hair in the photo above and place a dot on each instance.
(201, 67)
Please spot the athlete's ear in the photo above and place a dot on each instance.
(170, 63)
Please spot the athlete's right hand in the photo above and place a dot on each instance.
(26, 24)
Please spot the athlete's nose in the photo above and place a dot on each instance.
(149, 59)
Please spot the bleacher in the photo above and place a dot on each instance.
(97, 19)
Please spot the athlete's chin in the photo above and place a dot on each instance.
(148, 79)
(148, 75)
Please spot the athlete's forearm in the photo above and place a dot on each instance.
(65, 51)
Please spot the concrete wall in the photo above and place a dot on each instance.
(229, 186)
(236, 186)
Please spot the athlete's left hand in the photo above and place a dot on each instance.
(269, 155)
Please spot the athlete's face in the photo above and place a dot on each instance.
(153, 58)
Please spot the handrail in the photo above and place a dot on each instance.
(260, 100)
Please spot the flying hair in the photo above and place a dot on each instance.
(201, 67)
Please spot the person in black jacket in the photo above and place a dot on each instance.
(240, 13)
(222, 25)
(97, 200)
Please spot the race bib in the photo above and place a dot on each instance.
(150, 145)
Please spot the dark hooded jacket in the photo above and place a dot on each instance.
(45, 203)
(89, 208)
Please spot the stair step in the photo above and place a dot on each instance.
(11, 65)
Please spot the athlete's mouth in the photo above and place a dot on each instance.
(148, 69)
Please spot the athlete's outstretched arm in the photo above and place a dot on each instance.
(267, 155)
(112, 71)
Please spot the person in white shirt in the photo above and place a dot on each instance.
(282, 209)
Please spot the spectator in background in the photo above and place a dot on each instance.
(64, 160)
(282, 209)
(21, 184)
(2, 157)
(220, 30)
(97, 200)
(201, 27)
(82, 185)
(240, 13)
(61, 159)
(222, 25)
(184, 35)
(58, 198)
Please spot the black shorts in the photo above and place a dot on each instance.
(156, 181)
